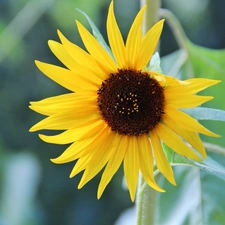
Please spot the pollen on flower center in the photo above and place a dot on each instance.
(131, 102)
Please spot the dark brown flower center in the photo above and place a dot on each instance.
(131, 102)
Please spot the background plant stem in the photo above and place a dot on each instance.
(152, 13)
(179, 35)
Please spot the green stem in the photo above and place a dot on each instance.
(179, 35)
(146, 196)
(139, 204)
(146, 203)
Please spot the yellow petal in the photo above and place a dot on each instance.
(101, 155)
(73, 134)
(66, 102)
(146, 161)
(190, 87)
(96, 50)
(104, 135)
(60, 52)
(54, 104)
(55, 100)
(149, 44)
(116, 39)
(64, 121)
(199, 84)
(187, 122)
(113, 163)
(180, 101)
(73, 152)
(83, 58)
(166, 81)
(63, 99)
(131, 166)
(81, 164)
(191, 137)
(98, 125)
(81, 148)
(134, 39)
(158, 77)
(161, 161)
(65, 137)
(66, 78)
(174, 142)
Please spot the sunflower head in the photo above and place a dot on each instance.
(118, 112)
(132, 109)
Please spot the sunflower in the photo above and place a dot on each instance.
(118, 111)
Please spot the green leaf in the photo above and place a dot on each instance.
(155, 63)
(207, 62)
(180, 205)
(198, 197)
(209, 165)
(97, 34)
(203, 113)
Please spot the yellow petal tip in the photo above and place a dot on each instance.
(61, 36)
(216, 81)
(33, 128)
(31, 103)
(213, 135)
(57, 160)
(50, 43)
(38, 64)
(80, 186)
(173, 182)
(159, 189)
(71, 175)
(52, 160)
(99, 195)
(42, 137)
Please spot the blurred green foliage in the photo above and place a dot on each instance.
(25, 28)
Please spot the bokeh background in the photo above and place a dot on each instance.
(34, 191)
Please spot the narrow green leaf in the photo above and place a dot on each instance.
(203, 113)
(155, 63)
(97, 33)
